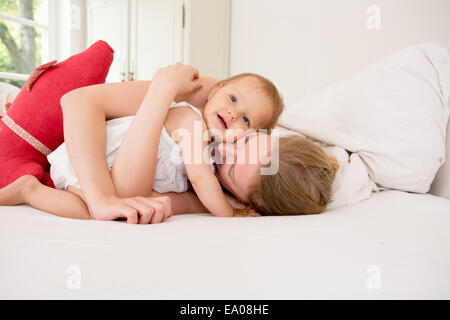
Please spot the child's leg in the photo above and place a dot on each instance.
(29, 190)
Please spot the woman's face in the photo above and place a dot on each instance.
(239, 164)
(234, 108)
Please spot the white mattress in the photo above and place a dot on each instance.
(393, 245)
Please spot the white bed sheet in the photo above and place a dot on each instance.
(329, 256)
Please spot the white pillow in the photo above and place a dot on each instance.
(392, 113)
(8, 93)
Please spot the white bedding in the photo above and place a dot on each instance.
(396, 243)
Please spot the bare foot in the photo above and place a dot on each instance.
(14, 193)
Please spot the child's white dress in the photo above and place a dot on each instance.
(170, 174)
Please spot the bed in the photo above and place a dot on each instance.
(377, 243)
(394, 245)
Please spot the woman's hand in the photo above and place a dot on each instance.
(133, 209)
(181, 78)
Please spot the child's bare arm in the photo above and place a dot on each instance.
(198, 170)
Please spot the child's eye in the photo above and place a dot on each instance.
(246, 120)
(233, 99)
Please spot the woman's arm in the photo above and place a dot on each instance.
(139, 147)
(84, 131)
(85, 111)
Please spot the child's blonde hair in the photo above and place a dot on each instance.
(302, 184)
(270, 90)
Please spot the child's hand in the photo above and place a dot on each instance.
(181, 78)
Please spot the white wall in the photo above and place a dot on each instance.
(78, 25)
(68, 24)
(305, 45)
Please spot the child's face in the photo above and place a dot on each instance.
(236, 107)
(242, 162)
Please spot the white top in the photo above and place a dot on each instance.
(170, 173)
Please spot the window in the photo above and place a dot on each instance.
(24, 38)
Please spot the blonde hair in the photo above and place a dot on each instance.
(270, 90)
(302, 184)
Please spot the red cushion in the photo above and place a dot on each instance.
(37, 110)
